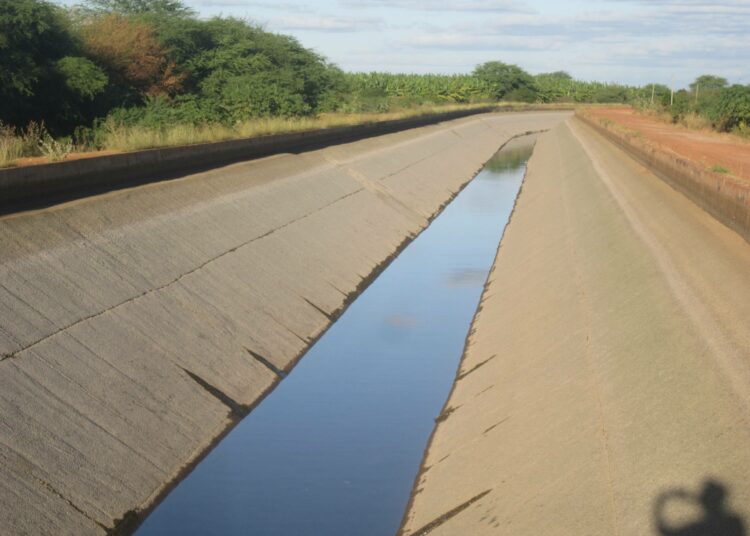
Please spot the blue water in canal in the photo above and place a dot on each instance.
(335, 448)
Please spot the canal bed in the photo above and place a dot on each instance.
(335, 448)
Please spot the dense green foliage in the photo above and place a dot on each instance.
(559, 86)
(710, 101)
(378, 92)
(140, 7)
(41, 71)
(708, 82)
(154, 64)
(151, 62)
(507, 82)
(731, 108)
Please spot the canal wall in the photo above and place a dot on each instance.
(41, 184)
(137, 326)
(726, 197)
(605, 384)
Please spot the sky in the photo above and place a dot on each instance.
(627, 41)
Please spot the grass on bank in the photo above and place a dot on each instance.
(34, 141)
(716, 168)
(691, 120)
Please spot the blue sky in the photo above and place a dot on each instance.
(632, 41)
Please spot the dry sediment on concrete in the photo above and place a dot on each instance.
(606, 382)
(137, 325)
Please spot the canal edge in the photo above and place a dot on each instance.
(446, 410)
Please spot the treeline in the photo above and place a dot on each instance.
(491, 81)
(710, 101)
(85, 71)
(155, 63)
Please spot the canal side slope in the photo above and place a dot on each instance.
(605, 387)
(137, 326)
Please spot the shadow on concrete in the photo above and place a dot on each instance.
(717, 519)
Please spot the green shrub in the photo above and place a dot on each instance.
(716, 168)
(82, 76)
(733, 108)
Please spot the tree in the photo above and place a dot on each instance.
(82, 77)
(708, 82)
(140, 7)
(680, 105)
(555, 87)
(32, 37)
(733, 107)
(134, 58)
(505, 79)
(246, 71)
(706, 91)
(660, 92)
(42, 75)
(556, 75)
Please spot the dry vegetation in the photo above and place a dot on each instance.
(35, 141)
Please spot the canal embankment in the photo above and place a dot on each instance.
(40, 185)
(139, 325)
(605, 384)
(714, 188)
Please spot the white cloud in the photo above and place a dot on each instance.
(251, 5)
(512, 6)
(321, 23)
(465, 41)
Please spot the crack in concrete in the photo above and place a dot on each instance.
(49, 487)
(377, 187)
(180, 277)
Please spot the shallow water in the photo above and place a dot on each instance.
(335, 448)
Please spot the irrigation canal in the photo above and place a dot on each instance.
(335, 448)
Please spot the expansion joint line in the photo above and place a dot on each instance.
(178, 278)
(377, 186)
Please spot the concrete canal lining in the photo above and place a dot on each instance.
(136, 326)
(605, 385)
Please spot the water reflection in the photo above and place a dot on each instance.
(516, 154)
(467, 277)
(401, 321)
(335, 448)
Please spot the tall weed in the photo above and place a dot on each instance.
(11, 146)
(55, 150)
(694, 121)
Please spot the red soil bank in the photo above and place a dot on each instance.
(705, 148)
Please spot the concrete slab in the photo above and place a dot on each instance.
(605, 385)
(136, 326)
